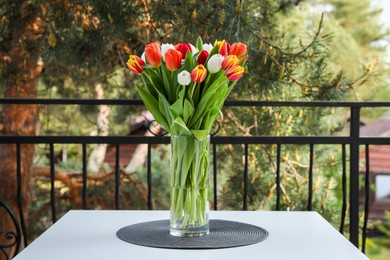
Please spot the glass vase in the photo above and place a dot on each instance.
(189, 203)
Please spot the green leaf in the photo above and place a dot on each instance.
(166, 80)
(188, 110)
(207, 101)
(210, 118)
(149, 85)
(211, 78)
(148, 66)
(174, 84)
(157, 82)
(176, 109)
(152, 105)
(164, 108)
(188, 63)
(215, 50)
(179, 127)
(188, 96)
(230, 87)
(200, 134)
(199, 44)
(196, 95)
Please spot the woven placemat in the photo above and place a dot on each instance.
(223, 234)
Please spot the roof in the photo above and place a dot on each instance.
(380, 127)
(379, 154)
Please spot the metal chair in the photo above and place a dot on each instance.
(12, 238)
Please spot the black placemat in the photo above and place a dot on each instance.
(223, 234)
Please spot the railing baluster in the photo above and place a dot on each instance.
(343, 187)
(84, 176)
(245, 202)
(353, 140)
(215, 176)
(19, 194)
(117, 175)
(310, 192)
(278, 177)
(52, 188)
(150, 204)
(367, 198)
(354, 177)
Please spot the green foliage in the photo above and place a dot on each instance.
(294, 54)
(385, 227)
(378, 248)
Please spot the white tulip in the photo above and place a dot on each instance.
(184, 78)
(215, 63)
(207, 47)
(193, 49)
(165, 47)
(143, 57)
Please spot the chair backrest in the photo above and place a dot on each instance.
(12, 237)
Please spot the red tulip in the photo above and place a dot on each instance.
(235, 73)
(238, 49)
(223, 47)
(203, 55)
(199, 73)
(173, 59)
(135, 64)
(183, 48)
(229, 61)
(153, 54)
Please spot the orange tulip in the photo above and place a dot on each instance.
(199, 73)
(238, 49)
(173, 59)
(153, 54)
(229, 61)
(223, 47)
(235, 73)
(135, 64)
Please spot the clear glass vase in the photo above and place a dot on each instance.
(189, 203)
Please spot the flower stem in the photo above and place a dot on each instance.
(189, 181)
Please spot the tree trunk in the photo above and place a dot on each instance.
(20, 119)
(98, 154)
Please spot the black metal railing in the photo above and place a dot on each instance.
(353, 140)
(12, 237)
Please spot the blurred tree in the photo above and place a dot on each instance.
(338, 60)
(293, 55)
(78, 40)
(22, 32)
(358, 43)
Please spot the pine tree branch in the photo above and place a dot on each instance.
(244, 130)
(289, 54)
(361, 80)
(120, 55)
(297, 176)
(74, 181)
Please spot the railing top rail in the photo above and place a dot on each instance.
(66, 101)
(222, 140)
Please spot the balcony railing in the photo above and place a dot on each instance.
(353, 141)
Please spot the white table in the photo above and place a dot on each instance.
(92, 235)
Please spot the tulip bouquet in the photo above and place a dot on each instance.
(185, 88)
